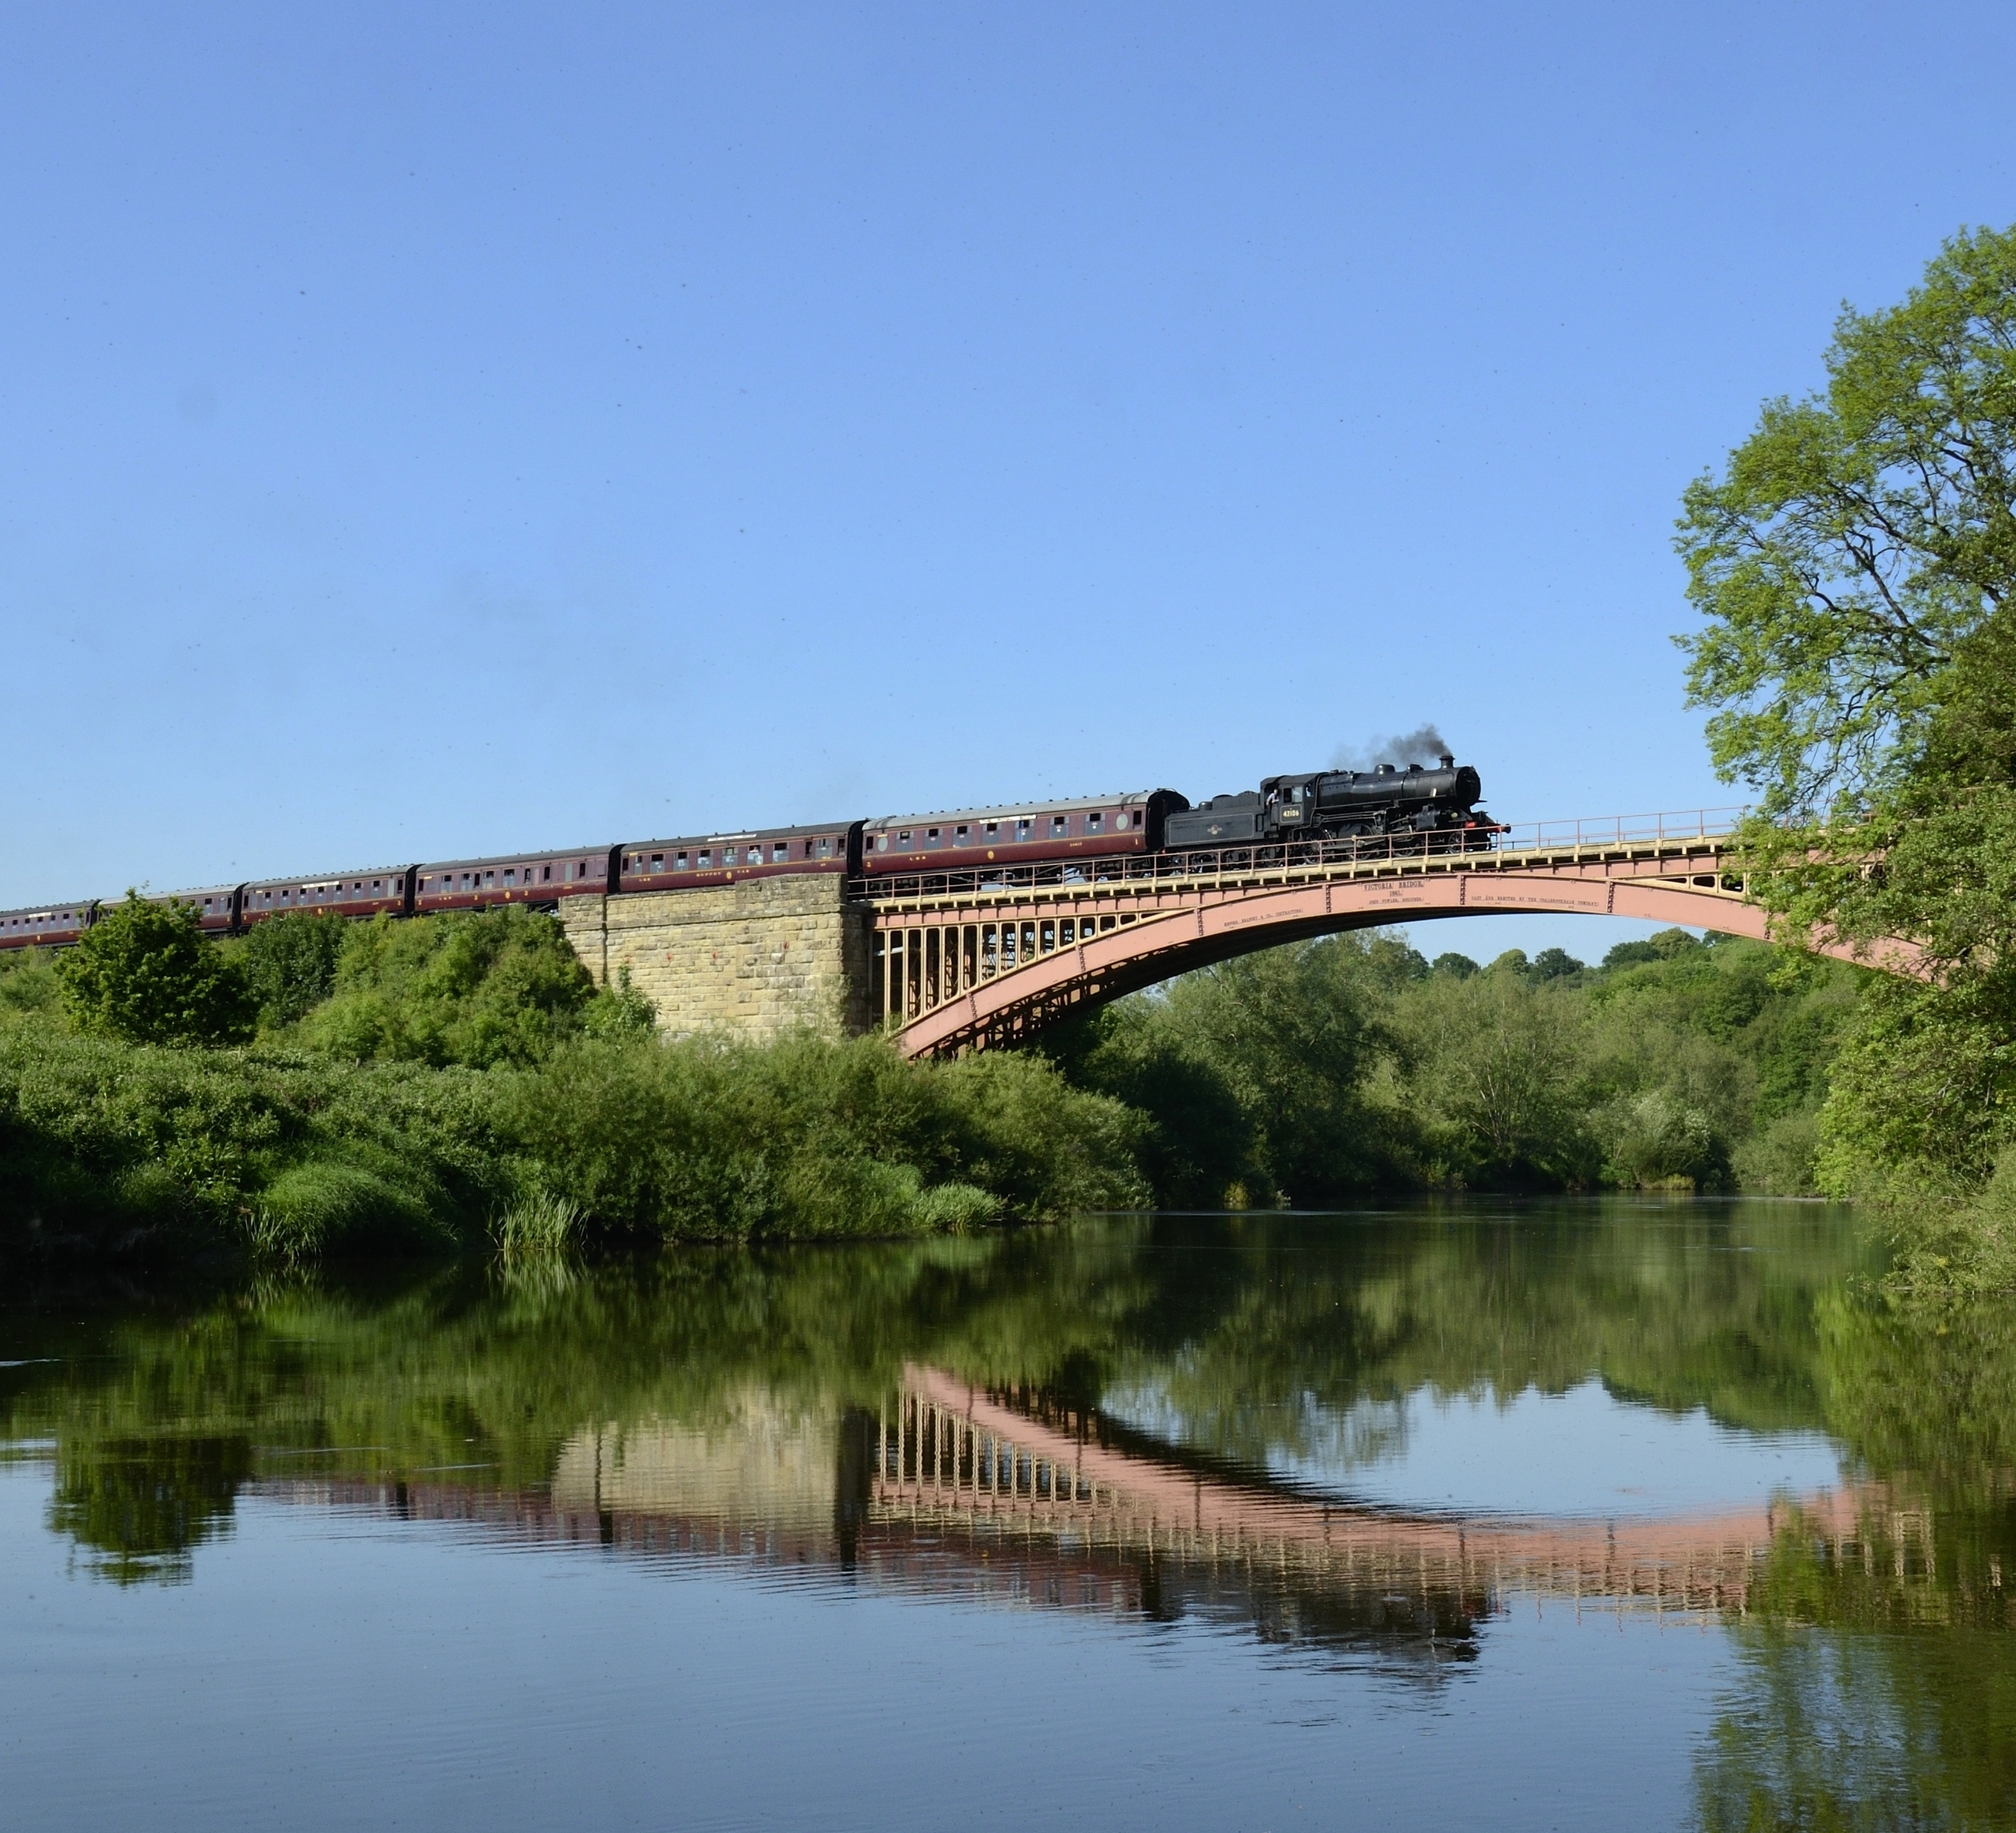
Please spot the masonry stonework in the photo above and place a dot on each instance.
(755, 959)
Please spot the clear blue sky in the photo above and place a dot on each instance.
(434, 430)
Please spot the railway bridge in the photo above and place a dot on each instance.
(947, 961)
(969, 960)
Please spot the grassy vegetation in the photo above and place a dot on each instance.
(425, 1085)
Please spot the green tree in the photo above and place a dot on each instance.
(291, 962)
(146, 973)
(1258, 1074)
(1495, 1065)
(1854, 564)
(481, 987)
(1856, 537)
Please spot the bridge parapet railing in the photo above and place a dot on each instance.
(1660, 829)
(1671, 827)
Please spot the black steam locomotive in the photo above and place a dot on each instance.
(1336, 804)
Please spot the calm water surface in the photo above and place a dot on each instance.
(1591, 1514)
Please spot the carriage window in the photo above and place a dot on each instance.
(1093, 821)
(1059, 824)
(1022, 827)
(825, 849)
(781, 851)
(1137, 817)
(706, 857)
(657, 862)
(993, 829)
(932, 835)
(545, 873)
(728, 855)
(959, 833)
(681, 862)
(510, 877)
(903, 838)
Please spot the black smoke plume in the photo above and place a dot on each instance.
(1424, 745)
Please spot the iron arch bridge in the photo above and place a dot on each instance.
(974, 960)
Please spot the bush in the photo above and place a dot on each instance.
(29, 988)
(499, 986)
(145, 973)
(291, 962)
(178, 1150)
(293, 1156)
(705, 1138)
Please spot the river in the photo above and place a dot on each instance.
(1587, 1514)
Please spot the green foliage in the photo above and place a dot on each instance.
(1856, 537)
(498, 986)
(1332, 1067)
(1257, 1074)
(1855, 565)
(539, 1224)
(146, 974)
(295, 1156)
(29, 988)
(115, 1147)
(720, 1140)
(620, 1011)
(291, 962)
(1491, 1080)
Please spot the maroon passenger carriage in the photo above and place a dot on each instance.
(513, 878)
(385, 889)
(50, 927)
(721, 858)
(215, 905)
(1018, 833)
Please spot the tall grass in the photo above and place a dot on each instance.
(293, 1156)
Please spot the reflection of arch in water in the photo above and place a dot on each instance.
(952, 1453)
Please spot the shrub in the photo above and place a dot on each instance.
(712, 1138)
(499, 986)
(29, 988)
(291, 962)
(145, 973)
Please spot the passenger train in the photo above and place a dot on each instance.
(1409, 806)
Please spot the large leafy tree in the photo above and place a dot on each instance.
(1854, 564)
(146, 973)
(1856, 537)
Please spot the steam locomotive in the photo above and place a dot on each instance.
(1407, 808)
(1336, 804)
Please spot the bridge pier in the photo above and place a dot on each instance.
(754, 959)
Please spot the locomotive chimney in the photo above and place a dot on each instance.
(1449, 760)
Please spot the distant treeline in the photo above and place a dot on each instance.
(1324, 1070)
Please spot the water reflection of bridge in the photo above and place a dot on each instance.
(1011, 1498)
(953, 1455)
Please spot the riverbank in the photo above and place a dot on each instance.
(145, 1152)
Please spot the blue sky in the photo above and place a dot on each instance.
(427, 430)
